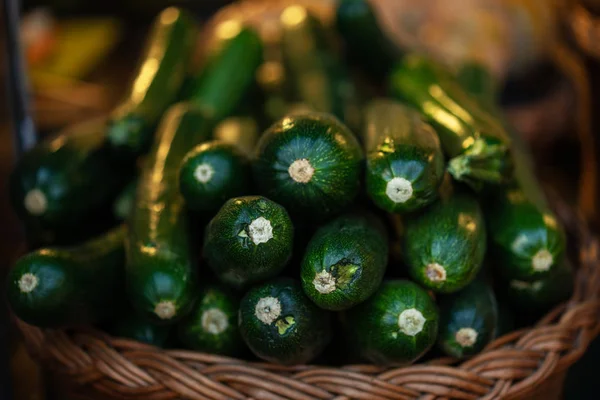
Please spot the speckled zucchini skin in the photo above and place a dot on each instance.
(473, 309)
(401, 147)
(132, 326)
(345, 261)
(297, 335)
(333, 153)
(373, 326)
(450, 233)
(236, 256)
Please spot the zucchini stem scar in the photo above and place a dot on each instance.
(435, 272)
(267, 310)
(260, 230)
(542, 260)
(324, 282)
(165, 309)
(466, 337)
(214, 321)
(411, 321)
(36, 202)
(204, 173)
(301, 170)
(399, 190)
(28, 283)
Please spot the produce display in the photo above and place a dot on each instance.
(267, 205)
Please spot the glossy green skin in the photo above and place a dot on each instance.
(78, 176)
(233, 255)
(373, 329)
(299, 343)
(231, 176)
(354, 249)
(195, 337)
(477, 144)
(160, 259)
(400, 144)
(365, 42)
(450, 233)
(318, 79)
(76, 285)
(132, 326)
(331, 149)
(228, 76)
(517, 231)
(473, 307)
(541, 295)
(159, 76)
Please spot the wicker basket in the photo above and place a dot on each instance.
(527, 364)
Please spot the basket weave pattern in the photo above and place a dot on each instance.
(513, 366)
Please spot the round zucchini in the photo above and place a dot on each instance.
(211, 173)
(64, 287)
(161, 265)
(444, 246)
(527, 242)
(281, 325)
(135, 327)
(395, 326)
(405, 163)
(159, 76)
(345, 261)
(250, 239)
(212, 326)
(310, 163)
(468, 320)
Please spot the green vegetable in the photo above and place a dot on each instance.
(345, 261)
(132, 326)
(506, 320)
(444, 246)
(281, 325)
(161, 270)
(364, 41)
(249, 240)
(405, 163)
(468, 320)
(66, 184)
(159, 76)
(476, 143)
(63, 287)
(229, 75)
(395, 326)
(310, 163)
(212, 325)
(211, 173)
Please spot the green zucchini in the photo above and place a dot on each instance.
(477, 145)
(63, 287)
(66, 184)
(124, 202)
(249, 240)
(212, 326)
(239, 131)
(134, 327)
(229, 75)
(159, 76)
(345, 261)
(161, 270)
(468, 320)
(542, 294)
(395, 326)
(444, 246)
(364, 41)
(212, 173)
(281, 325)
(317, 77)
(310, 163)
(405, 163)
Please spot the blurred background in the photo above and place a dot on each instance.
(79, 56)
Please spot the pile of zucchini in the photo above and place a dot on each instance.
(272, 204)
